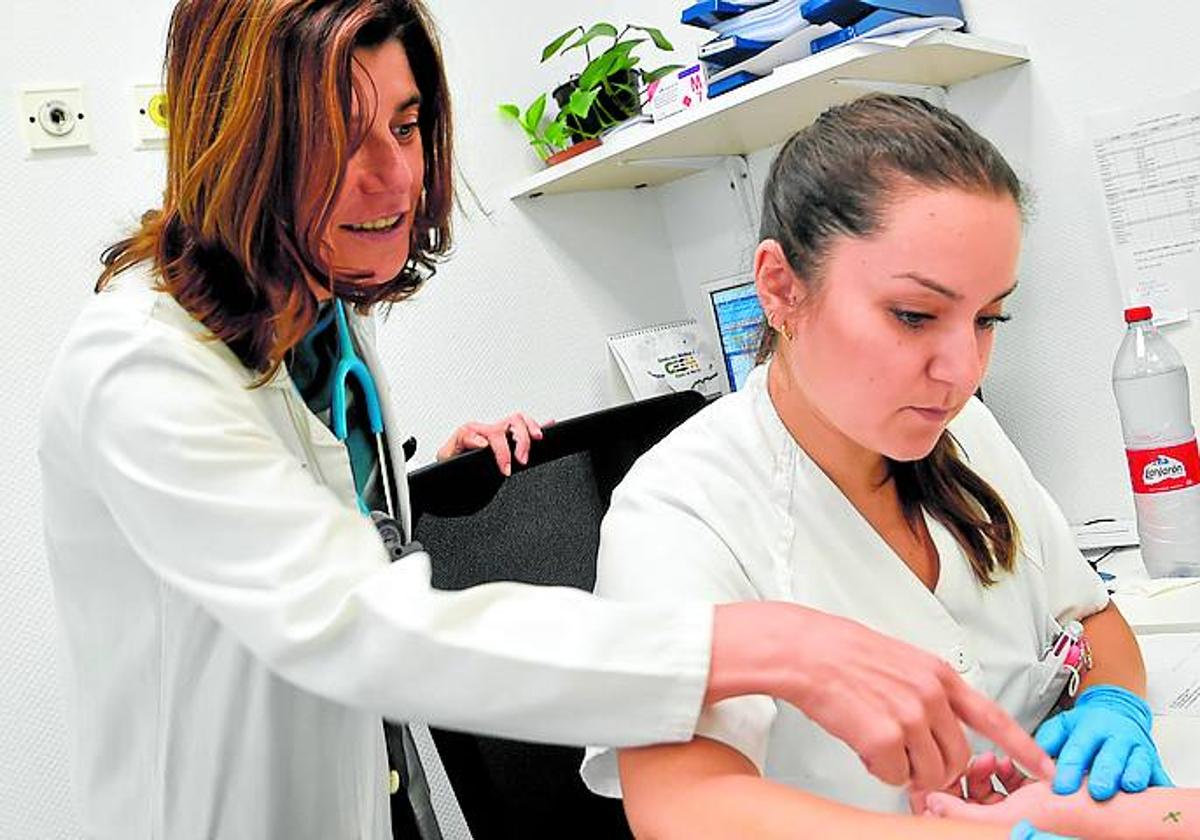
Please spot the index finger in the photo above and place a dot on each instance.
(992, 722)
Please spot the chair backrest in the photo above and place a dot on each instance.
(541, 525)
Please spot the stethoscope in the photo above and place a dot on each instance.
(349, 365)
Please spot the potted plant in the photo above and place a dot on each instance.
(613, 75)
(607, 91)
(551, 138)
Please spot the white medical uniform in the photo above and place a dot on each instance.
(729, 508)
(236, 631)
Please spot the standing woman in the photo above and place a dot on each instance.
(235, 628)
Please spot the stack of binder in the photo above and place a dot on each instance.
(742, 30)
(858, 18)
(752, 37)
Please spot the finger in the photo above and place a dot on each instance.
(1105, 775)
(1052, 734)
(882, 753)
(1011, 779)
(499, 442)
(535, 430)
(1136, 776)
(993, 723)
(1159, 777)
(979, 777)
(450, 448)
(916, 800)
(926, 765)
(1076, 757)
(950, 738)
(521, 438)
(1024, 830)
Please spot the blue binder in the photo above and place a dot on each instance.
(850, 12)
(709, 12)
(863, 27)
(730, 82)
(726, 52)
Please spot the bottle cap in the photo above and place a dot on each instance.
(1138, 313)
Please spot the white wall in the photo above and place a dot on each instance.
(57, 214)
(1050, 383)
(516, 319)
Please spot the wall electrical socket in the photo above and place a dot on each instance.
(150, 116)
(55, 118)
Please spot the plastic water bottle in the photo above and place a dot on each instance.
(1151, 386)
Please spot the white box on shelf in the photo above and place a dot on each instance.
(679, 91)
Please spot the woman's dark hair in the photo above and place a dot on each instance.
(838, 177)
(260, 99)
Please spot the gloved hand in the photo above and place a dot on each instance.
(1106, 736)
(1024, 830)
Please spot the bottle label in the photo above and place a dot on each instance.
(1163, 470)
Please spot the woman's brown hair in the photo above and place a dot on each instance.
(837, 178)
(260, 98)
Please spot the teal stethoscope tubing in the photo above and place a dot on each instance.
(349, 366)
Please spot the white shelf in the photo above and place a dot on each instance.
(770, 110)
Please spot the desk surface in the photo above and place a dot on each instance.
(1162, 606)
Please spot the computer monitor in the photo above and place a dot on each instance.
(738, 317)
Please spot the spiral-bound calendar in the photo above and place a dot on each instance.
(666, 358)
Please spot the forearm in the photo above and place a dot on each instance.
(753, 651)
(1154, 814)
(1116, 659)
(748, 806)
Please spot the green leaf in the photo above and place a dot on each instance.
(600, 29)
(581, 102)
(556, 135)
(551, 48)
(533, 115)
(542, 148)
(625, 62)
(597, 70)
(655, 75)
(511, 111)
(656, 35)
(625, 47)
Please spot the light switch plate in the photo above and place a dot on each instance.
(55, 118)
(150, 116)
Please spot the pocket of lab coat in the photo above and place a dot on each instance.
(1048, 677)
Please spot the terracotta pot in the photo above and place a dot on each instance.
(572, 150)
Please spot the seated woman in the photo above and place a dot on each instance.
(856, 473)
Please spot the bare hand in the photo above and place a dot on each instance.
(1034, 802)
(477, 435)
(900, 708)
(976, 785)
(904, 719)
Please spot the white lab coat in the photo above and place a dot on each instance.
(728, 508)
(235, 630)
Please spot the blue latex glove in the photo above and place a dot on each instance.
(1024, 830)
(1107, 737)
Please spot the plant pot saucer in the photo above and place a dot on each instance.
(572, 151)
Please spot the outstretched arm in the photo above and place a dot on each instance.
(705, 789)
(1155, 814)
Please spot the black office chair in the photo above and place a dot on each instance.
(542, 526)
